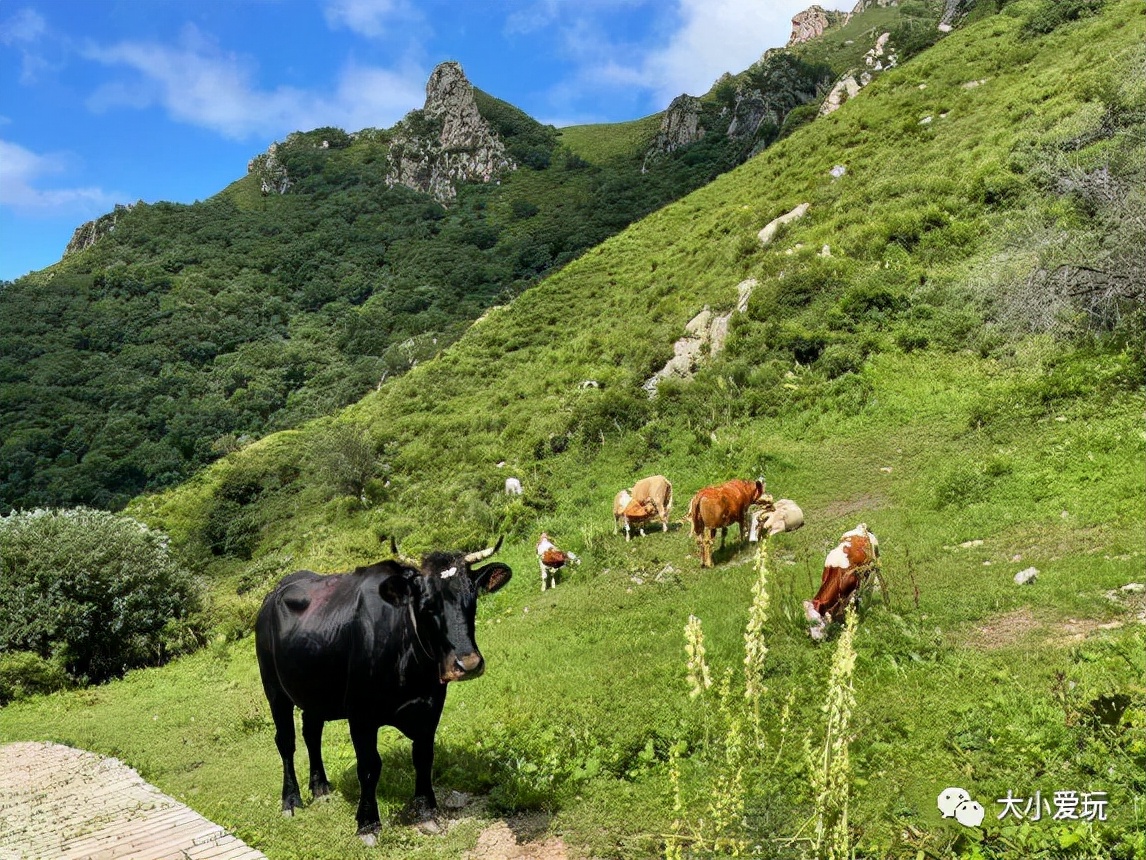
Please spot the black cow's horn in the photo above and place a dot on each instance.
(480, 554)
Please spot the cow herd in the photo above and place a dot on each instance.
(848, 568)
(378, 646)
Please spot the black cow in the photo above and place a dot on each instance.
(375, 647)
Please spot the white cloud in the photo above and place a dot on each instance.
(25, 26)
(370, 18)
(200, 85)
(710, 37)
(23, 175)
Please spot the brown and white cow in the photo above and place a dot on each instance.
(719, 507)
(648, 500)
(551, 559)
(774, 517)
(845, 569)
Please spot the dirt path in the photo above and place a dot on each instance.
(60, 803)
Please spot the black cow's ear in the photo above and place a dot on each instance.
(491, 577)
(398, 589)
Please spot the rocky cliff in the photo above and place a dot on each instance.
(89, 233)
(270, 172)
(812, 22)
(679, 127)
(431, 150)
(447, 142)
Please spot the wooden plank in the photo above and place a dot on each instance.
(66, 804)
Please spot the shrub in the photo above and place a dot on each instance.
(88, 590)
(23, 673)
(1050, 14)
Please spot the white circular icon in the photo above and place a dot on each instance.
(969, 813)
(949, 800)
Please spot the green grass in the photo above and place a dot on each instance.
(1032, 445)
(601, 143)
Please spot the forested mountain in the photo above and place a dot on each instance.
(922, 311)
(170, 334)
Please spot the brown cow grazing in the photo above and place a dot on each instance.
(845, 569)
(719, 507)
(651, 499)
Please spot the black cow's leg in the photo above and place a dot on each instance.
(312, 735)
(423, 756)
(364, 736)
(282, 712)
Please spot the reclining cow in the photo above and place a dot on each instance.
(846, 569)
(772, 518)
(649, 499)
(719, 507)
(376, 647)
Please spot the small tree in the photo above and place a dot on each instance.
(344, 460)
(89, 590)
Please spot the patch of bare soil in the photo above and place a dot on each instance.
(850, 507)
(1009, 628)
(518, 838)
(1000, 631)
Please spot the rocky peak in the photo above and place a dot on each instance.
(811, 24)
(90, 232)
(270, 171)
(679, 127)
(448, 141)
(450, 99)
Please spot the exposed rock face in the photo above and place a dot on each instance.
(680, 127)
(447, 142)
(705, 333)
(953, 10)
(878, 58)
(89, 233)
(811, 24)
(767, 234)
(271, 173)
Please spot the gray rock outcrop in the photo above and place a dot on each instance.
(90, 232)
(879, 58)
(447, 142)
(953, 10)
(768, 233)
(270, 171)
(680, 126)
(811, 24)
(705, 336)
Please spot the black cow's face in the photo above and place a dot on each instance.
(443, 600)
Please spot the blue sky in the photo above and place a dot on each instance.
(114, 101)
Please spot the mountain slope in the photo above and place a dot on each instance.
(338, 261)
(894, 380)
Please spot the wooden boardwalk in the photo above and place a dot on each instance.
(59, 803)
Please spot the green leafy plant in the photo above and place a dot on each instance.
(89, 590)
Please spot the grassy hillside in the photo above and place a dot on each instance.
(947, 374)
